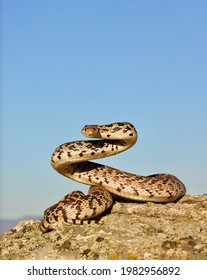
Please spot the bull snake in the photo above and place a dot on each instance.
(72, 160)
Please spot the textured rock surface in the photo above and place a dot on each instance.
(129, 231)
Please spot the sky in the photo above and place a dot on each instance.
(68, 63)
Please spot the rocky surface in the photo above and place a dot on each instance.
(130, 231)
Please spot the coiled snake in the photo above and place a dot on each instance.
(71, 160)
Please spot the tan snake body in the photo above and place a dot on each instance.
(72, 160)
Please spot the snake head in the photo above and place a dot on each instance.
(91, 131)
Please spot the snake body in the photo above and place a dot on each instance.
(72, 160)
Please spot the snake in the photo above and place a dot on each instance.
(73, 160)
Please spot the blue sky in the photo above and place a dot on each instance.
(70, 63)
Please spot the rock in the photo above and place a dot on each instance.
(130, 231)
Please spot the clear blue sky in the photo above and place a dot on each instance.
(70, 63)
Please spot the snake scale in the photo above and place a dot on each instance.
(72, 160)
